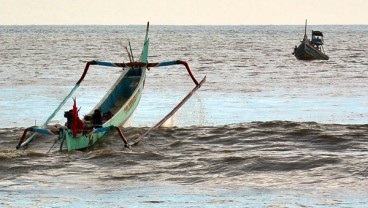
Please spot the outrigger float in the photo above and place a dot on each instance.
(112, 111)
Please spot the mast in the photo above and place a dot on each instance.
(305, 29)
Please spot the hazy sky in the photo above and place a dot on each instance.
(179, 12)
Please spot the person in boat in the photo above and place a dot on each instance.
(107, 115)
(69, 118)
(73, 122)
(97, 118)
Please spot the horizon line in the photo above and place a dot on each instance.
(353, 24)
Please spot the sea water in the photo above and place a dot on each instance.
(265, 130)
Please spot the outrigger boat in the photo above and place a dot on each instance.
(112, 111)
(311, 49)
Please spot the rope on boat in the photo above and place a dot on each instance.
(52, 146)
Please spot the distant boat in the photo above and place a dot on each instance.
(311, 49)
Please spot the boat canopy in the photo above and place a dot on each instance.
(317, 33)
(317, 38)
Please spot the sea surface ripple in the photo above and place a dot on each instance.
(265, 130)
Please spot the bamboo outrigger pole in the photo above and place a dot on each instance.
(172, 112)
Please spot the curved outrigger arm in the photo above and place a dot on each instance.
(142, 64)
(109, 128)
(177, 62)
(35, 129)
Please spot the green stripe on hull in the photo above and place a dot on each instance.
(126, 111)
(81, 141)
(122, 116)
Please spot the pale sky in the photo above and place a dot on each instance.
(182, 12)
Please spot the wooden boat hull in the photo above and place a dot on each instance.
(311, 49)
(306, 51)
(127, 108)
